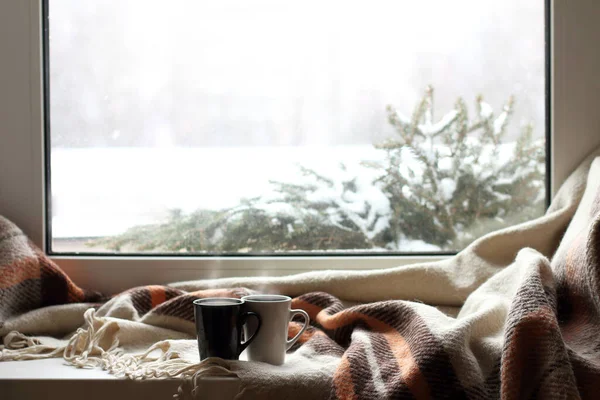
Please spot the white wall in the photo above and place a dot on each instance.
(20, 117)
(576, 76)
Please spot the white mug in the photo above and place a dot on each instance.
(270, 344)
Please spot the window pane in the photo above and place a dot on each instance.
(230, 126)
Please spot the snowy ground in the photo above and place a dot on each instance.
(103, 192)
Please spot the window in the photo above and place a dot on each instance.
(573, 116)
(228, 127)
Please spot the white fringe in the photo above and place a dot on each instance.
(84, 351)
(167, 365)
(18, 347)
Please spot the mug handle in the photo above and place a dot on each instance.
(293, 313)
(243, 318)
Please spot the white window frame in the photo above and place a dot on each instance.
(575, 131)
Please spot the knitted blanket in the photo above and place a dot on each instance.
(515, 315)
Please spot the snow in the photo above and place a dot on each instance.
(502, 196)
(367, 207)
(486, 110)
(504, 181)
(275, 207)
(445, 164)
(499, 122)
(541, 196)
(410, 245)
(411, 169)
(505, 153)
(429, 128)
(105, 191)
(447, 187)
(402, 118)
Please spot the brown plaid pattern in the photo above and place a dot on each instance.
(549, 345)
(29, 279)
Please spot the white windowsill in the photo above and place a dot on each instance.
(53, 379)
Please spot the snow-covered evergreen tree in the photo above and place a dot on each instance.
(443, 177)
(441, 184)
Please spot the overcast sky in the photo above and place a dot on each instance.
(272, 72)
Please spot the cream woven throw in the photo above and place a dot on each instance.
(516, 314)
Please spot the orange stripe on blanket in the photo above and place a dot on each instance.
(157, 295)
(311, 309)
(411, 374)
(342, 380)
(76, 294)
(19, 271)
(294, 328)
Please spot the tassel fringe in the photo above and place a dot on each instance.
(84, 350)
(18, 347)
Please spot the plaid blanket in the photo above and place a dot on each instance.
(528, 326)
(29, 279)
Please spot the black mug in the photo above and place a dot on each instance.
(219, 326)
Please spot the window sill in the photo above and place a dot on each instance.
(114, 274)
(52, 379)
